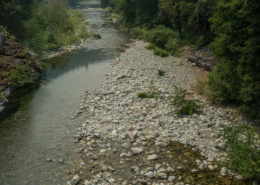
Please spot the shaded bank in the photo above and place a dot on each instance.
(17, 68)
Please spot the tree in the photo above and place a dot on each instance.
(204, 9)
(237, 78)
(177, 11)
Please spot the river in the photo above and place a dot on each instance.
(36, 124)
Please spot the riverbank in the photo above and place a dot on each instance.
(129, 140)
(17, 68)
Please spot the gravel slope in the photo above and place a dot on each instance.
(121, 124)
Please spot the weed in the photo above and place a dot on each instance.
(185, 106)
(201, 86)
(244, 153)
(2, 95)
(96, 36)
(150, 47)
(160, 52)
(143, 95)
(178, 52)
(146, 95)
(161, 72)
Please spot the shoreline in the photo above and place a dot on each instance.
(114, 114)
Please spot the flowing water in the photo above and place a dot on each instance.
(36, 124)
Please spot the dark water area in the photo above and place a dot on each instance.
(36, 124)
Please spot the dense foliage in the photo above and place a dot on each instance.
(237, 77)
(242, 143)
(43, 25)
(232, 24)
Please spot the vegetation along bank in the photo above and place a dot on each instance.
(229, 29)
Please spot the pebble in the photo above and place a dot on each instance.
(114, 112)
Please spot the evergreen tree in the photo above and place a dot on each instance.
(236, 24)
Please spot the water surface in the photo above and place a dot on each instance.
(36, 124)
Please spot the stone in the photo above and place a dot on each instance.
(223, 170)
(106, 175)
(112, 181)
(103, 150)
(88, 183)
(152, 157)
(211, 167)
(171, 178)
(149, 175)
(170, 169)
(136, 151)
(162, 170)
(48, 159)
(162, 175)
(75, 180)
(157, 166)
(142, 181)
(194, 171)
(125, 145)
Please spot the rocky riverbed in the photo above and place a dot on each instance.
(129, 140)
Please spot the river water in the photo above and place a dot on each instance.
(37, 124)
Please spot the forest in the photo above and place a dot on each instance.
(229, 27)
(42, 25)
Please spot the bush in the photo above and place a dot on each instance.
(160, 36)
(185, 106)
(20, 75)
(139, 33)
(244, 153)
(172, 45)
(150, 47)
(236, 78)
(160, 52)
(161, 72)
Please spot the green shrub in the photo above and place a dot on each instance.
(146, 95)
(160, 36)
(96, 36)
(83, 32)
(161, 72)
(160, 52)
(172, 45)
(138, 32)
(150, 47)
(20, 75)
(244, 153)
(143, 95)
(185, 106)
(178, 52)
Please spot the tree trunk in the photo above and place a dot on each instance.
(205, 29)
(179, 26)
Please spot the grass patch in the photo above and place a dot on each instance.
(201, 86)
(161, 72)
(185, 106)
(148, 95)
(244, 153)
(178, 52)
(150, 46)
(97, 36)
(160, 52)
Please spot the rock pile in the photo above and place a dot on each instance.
(134, 136)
